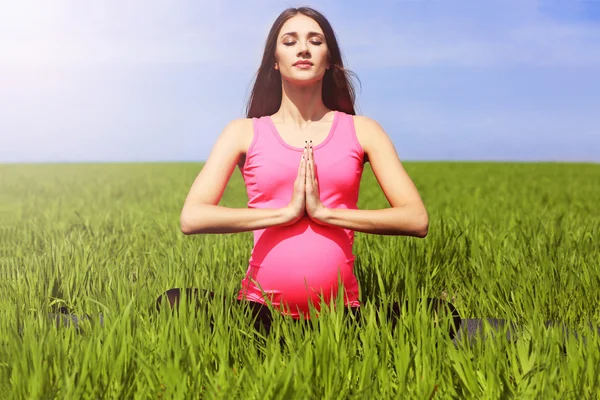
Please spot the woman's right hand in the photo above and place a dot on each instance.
(297, 206)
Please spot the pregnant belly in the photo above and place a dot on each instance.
(300, 265)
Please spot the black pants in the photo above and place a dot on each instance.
(262, 315)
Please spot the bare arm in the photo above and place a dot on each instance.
(407, 215)
(208, 218)
(402, 220)
(201, 214)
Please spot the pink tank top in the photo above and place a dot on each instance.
(295, 265)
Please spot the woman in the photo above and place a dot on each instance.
(301, 152)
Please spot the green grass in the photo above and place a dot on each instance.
(507, 240)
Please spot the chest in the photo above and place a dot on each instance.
(271, 176)
(294, 137)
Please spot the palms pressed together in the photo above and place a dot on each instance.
(306, 199)
(314, 206)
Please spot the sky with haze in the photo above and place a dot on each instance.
(115, 81)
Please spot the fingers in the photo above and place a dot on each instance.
(306, 170)
(302, 167)
(310, 173)
(306, 166)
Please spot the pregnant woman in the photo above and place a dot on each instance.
(301, 152)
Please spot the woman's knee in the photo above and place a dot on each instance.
(172, 297)
(439, 308)
(261, 315)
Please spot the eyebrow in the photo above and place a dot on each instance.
(295, 34)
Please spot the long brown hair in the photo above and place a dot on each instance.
(337, 90)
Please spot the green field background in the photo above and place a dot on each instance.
(518, 241)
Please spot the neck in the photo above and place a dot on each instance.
(301, 105)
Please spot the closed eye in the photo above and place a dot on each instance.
(293, 43)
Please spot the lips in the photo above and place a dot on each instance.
(303, 63)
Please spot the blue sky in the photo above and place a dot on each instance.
(158, 81)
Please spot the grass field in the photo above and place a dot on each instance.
(506, 240)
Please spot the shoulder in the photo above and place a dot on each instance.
(369, 132)
(363, 121)
(239, 124)
(240, 131)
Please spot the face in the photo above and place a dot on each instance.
(301, 39)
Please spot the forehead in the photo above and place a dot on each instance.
(300, 24)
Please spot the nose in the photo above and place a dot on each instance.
(303, 49)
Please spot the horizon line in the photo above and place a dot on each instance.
(441, 160)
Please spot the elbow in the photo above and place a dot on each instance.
(423, 226)
(185, 226)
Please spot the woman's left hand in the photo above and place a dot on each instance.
(314, 207)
